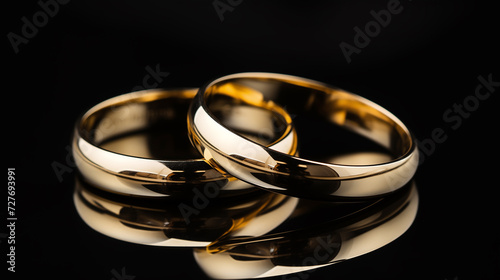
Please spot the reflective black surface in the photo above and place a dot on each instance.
(255, 235)
(425, 61)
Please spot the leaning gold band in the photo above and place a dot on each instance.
(273, 170)
(140, 176)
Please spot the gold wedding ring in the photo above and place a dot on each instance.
(183, 169)
(268, 168)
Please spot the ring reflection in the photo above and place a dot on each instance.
(258, 234)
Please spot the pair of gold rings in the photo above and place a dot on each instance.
(242, 127)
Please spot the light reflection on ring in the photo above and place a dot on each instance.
(260, 234)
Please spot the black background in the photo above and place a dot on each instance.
(427, 59)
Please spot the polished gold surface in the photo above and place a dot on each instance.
(265, 167)
(175, 167)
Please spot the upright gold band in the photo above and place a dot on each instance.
(271, 169)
